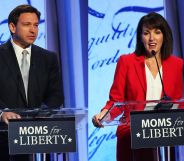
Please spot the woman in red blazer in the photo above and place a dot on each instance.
(132, 79)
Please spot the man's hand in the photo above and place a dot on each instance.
(6, 116)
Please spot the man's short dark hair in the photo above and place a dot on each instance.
(16, 12)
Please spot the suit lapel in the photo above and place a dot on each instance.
(140, 71)
(33, 86)
(12, 64)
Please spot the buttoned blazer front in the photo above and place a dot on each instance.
(44, 85)
(130, 82)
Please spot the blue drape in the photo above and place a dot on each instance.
(180, 14)
(174, 15)
(66, 22)
(67, 35)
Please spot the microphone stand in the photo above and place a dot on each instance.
(162, 105)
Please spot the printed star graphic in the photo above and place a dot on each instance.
(70, 140)
(15, 141)
(138, 135)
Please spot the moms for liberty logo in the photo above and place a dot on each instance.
(42, 136)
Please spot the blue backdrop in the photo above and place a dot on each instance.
(111, 32)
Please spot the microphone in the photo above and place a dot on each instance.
(162, 105)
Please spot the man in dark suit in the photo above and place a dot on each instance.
(30, 75)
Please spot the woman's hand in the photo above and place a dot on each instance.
(97, 118)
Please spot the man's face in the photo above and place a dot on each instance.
(26, 30)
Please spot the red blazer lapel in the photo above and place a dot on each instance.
(170, 76)
(166, 73)
(140, 71)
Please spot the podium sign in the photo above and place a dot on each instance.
(44, 135)
(157, 128)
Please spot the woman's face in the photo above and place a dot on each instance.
(152, 40)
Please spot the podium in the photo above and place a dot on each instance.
(151, 127)
(48, 131)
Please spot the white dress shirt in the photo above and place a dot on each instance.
(18, 52)
(154, 86)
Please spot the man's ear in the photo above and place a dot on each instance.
(12, 27)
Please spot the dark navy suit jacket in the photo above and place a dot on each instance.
(44, 86)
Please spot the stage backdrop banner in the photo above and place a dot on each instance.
(111, 32)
